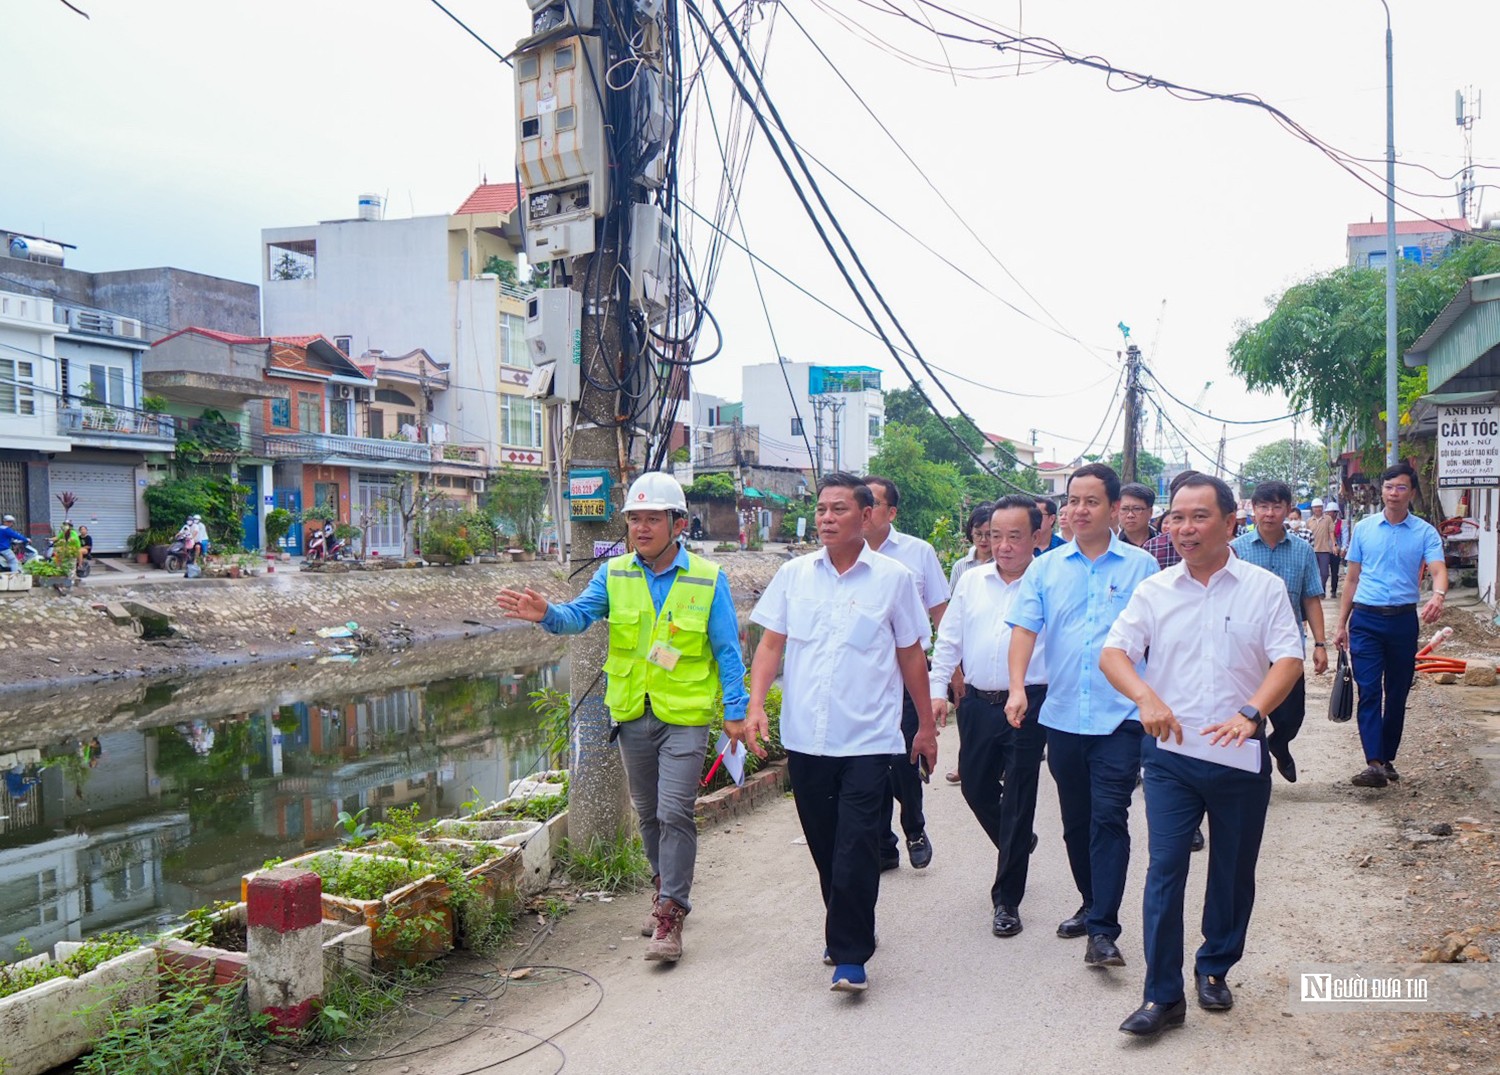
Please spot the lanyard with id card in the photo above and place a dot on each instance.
(663, 654)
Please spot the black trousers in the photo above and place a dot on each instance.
(905, 787)
(1001, 767)
(1286, 720)
(839, 803)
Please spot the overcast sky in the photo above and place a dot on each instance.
(169, 132)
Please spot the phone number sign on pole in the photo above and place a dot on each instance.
(588, 495)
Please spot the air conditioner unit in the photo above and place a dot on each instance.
(476, 484)
(365, 395)
(346, 392)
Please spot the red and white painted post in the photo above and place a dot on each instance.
(284, 913)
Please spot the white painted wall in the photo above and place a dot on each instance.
(28, 334)
(768, 406)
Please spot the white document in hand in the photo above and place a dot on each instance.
(734, 758)
(1194, 744)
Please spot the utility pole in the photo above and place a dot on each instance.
(1128, 467)
(1392, 419)
(1219, 462)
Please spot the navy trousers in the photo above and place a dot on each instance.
(1095, 777)
(839, 803)
(905, 788)
(1179, 791)
(1001, 766)
(1383, 650)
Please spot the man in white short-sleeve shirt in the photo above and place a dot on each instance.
(918, 557)
(854, 632)
(1224, 650)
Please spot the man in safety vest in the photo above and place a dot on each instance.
(673, 638)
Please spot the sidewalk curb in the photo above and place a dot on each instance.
(732, 802)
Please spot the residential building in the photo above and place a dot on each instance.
(1054, 478)
(162, 299)
(834, 413)
(446, 285)
(1417, 241)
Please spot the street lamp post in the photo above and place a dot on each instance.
(1392, 422)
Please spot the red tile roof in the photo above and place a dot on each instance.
(1408, 227)
(491, 198)
(208, 333)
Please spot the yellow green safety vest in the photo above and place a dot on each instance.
(684, 695)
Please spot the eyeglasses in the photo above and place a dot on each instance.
(1134, 510)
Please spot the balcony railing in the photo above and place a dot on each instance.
(214, 435)
(328, 445)
(105, 421)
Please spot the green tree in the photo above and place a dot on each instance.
(929, 489)
(904, 406)
(1148, 468)
(1301, 464)
(1323, 343)
(718, 486)
(519, 498)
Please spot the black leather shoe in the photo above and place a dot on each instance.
(919, 850)
(1033, 844)
(1287, 767)
(1197, 842)
(1390, 772)
(1372, 776)
(1102, 952)
(1069, 928)
(1213, 993)
(1151, 1019)
(889, 863)
(1007, 921)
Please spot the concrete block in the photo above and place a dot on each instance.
(57, 1021)
(284, 900)
(285, 932)
(1479, 674)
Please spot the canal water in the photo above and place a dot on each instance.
(127, 804)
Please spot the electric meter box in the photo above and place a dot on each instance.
(553, 324)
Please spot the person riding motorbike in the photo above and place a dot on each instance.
(10, 537)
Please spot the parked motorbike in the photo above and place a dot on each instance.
(176, 555)
(320, 550)
(25, 552)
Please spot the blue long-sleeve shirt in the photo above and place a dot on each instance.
(576, 616)
(7, 535)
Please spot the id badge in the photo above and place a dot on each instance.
(664, 656)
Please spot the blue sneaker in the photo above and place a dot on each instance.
(849, 978)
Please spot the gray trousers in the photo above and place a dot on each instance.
(663, 764)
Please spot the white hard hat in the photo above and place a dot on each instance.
(1317, 502)
(1333, 505)
(655, 491)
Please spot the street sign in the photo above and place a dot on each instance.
(588, 495)
(1468, 454)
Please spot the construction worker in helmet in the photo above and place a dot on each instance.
(673, 638)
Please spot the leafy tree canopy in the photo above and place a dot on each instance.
(1148, 467)
(1323, 343)
(1301, 464)
(929, 489)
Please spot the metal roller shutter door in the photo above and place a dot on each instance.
(106, 501)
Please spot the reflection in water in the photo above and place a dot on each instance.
(126, 830)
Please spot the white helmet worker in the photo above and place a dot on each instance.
(654, 491)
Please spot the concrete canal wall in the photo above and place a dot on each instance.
(55, 638)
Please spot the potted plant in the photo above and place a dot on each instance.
(139, 546)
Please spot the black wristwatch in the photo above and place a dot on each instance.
(1320, 645)
(1253, 715)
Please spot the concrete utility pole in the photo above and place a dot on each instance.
(1128, 466)
(1392, 419)
(597, 799)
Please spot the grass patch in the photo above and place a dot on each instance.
(617, 865)
(190, 1030)
(101, 949)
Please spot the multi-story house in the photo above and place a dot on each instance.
(447, 285)
(838, 411)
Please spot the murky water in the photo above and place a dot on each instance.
(149, 800)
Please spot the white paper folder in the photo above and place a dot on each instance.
(1246, 756)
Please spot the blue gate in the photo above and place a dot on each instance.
(251, 538)
(291, 500)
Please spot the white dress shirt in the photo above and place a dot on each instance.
(841, 687)
(1210, 645)
(919, 558)
(974, 634)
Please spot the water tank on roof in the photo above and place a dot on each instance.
(36, 250)
(369, 206)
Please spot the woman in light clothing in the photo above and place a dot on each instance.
(977, 531)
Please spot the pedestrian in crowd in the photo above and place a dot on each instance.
(1001, 759)
(85, 552)
(1093, 732)
(977, 534)
(1136, 502)
(917, 557)
(1272, 547)
(1325, 546)
(673, 636)
(1046, 539)
(1341, 535)
(9, 535)
(1224, 650)
(1378, 616)
(1161, 545)
(854, 631)
(1064, 523)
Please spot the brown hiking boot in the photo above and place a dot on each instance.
(666, 942)
(648, 927)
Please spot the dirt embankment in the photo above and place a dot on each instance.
(219, 622)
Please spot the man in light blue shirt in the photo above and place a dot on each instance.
(1093, 731)
(1378, 616)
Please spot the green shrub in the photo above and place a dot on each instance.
(774, 749)
(15, 978)
(606, 865)
(189, 1030)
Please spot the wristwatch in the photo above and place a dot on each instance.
(1253, 715)
(1320, 645)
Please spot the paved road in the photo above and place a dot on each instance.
(751, 995)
